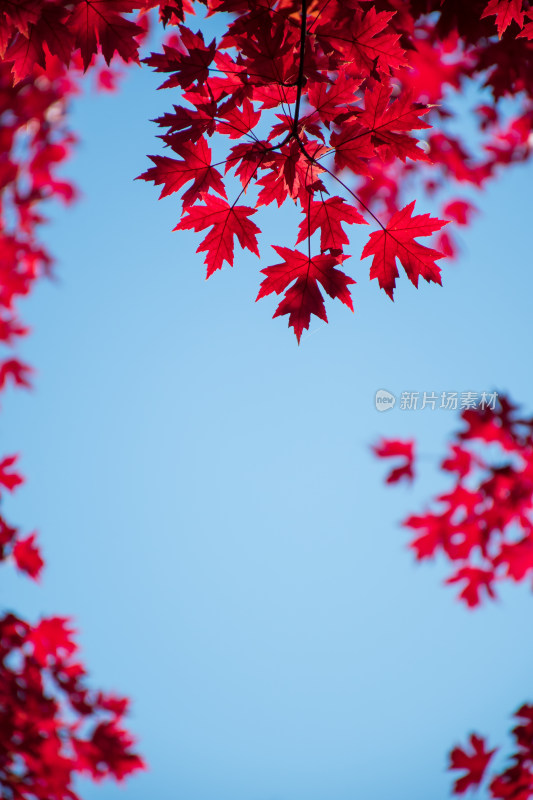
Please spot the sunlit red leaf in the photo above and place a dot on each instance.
(195, 165)
(225, 222)
(298, 276)
(398, 241)
(505, 11)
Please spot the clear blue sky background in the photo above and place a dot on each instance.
(210, 512)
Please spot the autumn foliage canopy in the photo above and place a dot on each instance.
(348, 111)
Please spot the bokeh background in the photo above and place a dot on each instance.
(209, 509)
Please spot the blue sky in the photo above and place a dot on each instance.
(210, 512)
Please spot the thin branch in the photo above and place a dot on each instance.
(326, 4)
(332, 174)
(303, 36)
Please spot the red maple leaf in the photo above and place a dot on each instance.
(40, 33)
(268, 52)
(460, 211)
(523, 732)
(289, 171)
(393, 448)
(52, 639)
(246, 158)
(380, 128)
(101, 22)
(27, 556)
(14, 370)
(236, 122)
(8, 479)
(475, 764)
(514, 783)
(226, 222)
(376, 47)
(505, 11)
(195, 166)
(23, 54)
(110, 702)
(188, 125)
(353, 148)
(435, 529)
(304, 297)
(173, 11)
(334, 100)
(527, 32)
(461, 461)
(188, 60)
(11, 327)
(328, 216)
(397, 241)
(108, 750)
(476, 580)
(387, 122)
(22, 14)
(517, 558)
(365, 43)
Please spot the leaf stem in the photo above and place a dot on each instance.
(303, 36)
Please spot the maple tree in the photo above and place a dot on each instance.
(344, 109)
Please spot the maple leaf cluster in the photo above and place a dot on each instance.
(484, 523)
(330, 105)
(52, 726)
(325, 102)
(34, 142)
(516, 780)
(35, 33)
(23, 550)
(345, 109)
